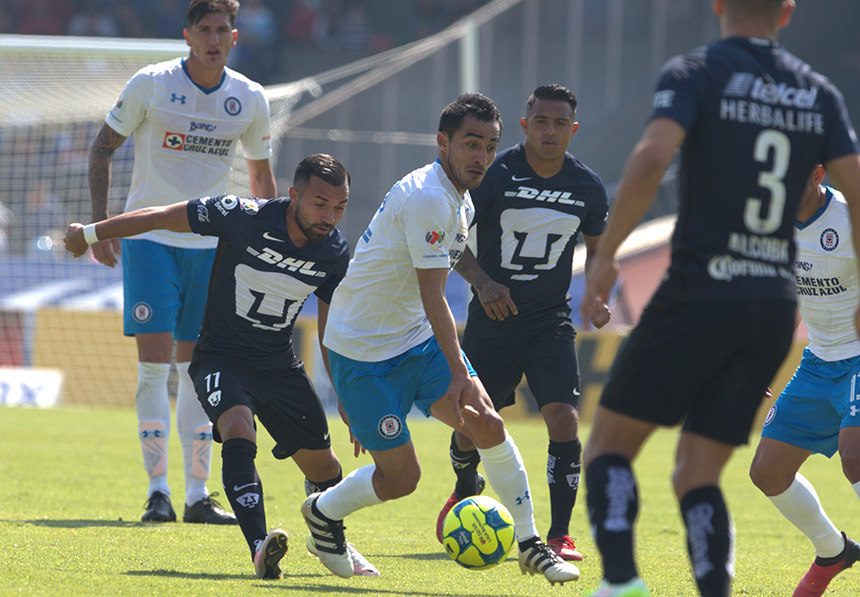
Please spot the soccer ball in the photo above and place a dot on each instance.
(478, 532)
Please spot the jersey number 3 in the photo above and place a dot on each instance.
(771, 180)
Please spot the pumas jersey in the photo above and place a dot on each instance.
(260, 280)
(527, 228)
(767, 119)
(185, 137)
(828, 283)
(376, 312)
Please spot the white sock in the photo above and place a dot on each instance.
(153, 410)
(353, 493)
(856, 487)
(801, 506)
(507, 475)
(195, 435)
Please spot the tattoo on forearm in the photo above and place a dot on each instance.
(101, 152)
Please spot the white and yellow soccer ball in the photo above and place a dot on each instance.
(478, 532)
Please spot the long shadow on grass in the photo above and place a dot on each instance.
(341, 590)
(74, 524)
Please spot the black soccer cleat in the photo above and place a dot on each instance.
(208, 511)
(158, 509)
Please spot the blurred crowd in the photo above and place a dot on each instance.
(266, 27)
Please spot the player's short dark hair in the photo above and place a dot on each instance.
(198, 9)
(476, 104)
(551, 92)
(769, 8)
(324, 167)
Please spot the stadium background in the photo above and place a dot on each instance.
(362, 80)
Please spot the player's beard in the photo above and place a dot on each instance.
(308, 230)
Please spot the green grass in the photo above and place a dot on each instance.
(72, 490)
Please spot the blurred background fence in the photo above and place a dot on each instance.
(364, 81)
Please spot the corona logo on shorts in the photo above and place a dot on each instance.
(771, 414)
(390, 426)
(829, 239)
(142, 312)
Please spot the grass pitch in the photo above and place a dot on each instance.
(72, 490)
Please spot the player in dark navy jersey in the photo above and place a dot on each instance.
(751, 121)
(533, 204)
(272, 254)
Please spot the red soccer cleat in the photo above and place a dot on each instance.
(816, 579)
(564, 548)
(440, 521)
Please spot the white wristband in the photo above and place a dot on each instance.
(90, 234)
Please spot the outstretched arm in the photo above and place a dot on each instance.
(170, 217)
(101, 153)
(495, 297)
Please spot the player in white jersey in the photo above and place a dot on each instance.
(392, 342)
(188, 116)
(819, 410)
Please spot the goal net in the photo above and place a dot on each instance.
(377, 115)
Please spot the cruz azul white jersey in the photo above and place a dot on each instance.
(376, 312)
(185, 137)
(828, 284)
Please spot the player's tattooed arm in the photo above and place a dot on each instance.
(495, 298)
(101, 152)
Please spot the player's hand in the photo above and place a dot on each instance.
(74, 240)
(496, 300)
(603, 318)
(599, 281)
(356, 445)
(106, 251)
(459, 391)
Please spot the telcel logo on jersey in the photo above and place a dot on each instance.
(743, 84)
(783, 95)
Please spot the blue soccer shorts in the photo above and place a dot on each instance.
(821, 398)
(164, 288)
(378, 396)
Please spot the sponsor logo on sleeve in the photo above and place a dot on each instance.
(434, 238)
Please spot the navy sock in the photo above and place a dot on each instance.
(319, 487)
(244, 489)
(466, 468)
(563, 466)
(710, 540)
(613, 504)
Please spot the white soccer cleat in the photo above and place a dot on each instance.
(269, 553)
(632, 588)
(360, 565)
(540, 559)
(328, 539)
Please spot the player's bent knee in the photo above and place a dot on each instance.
(394, 486)
(851, 465)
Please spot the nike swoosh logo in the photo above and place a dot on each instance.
(517, 179)
(576, 392)
(268, 236)
(241, 487)
(325, 437)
